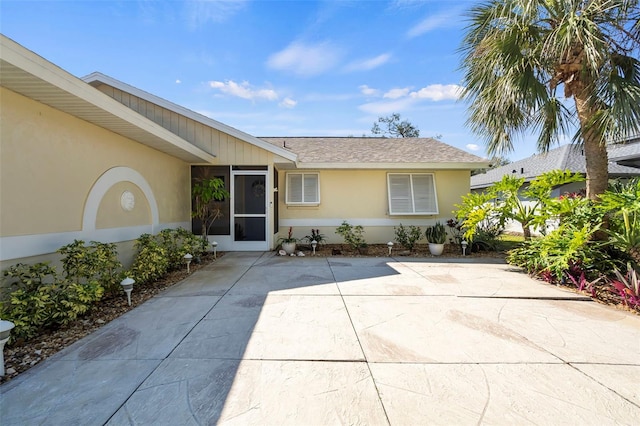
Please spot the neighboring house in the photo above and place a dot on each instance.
(624, 162)
(97, 159)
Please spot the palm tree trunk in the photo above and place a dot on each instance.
(595, 150)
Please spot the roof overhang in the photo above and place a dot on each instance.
(30, 75)
(97, 78)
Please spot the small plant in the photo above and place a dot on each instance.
(408, 236)
(289, 238)
(315, 236)
(455, 229)
(151, 262)
(96, 262)
(436, 234)
(628, 287)
(206, 196)
(353, 235)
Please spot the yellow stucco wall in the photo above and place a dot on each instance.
(361, 196)
(112, 215)
(49, 161)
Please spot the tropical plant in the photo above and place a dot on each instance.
(315, 236)
(289, 238)
(94, 262)
(395, 128)
(502, 201)
(151, 261)
(627, 286)
(436, 233)
(353, 235)
(206, 195)
(518, 53)
(622, 204)
(408, 236)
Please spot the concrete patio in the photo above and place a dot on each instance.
(255, 339)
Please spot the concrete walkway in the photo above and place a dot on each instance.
(255, 339)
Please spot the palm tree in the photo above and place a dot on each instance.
(518, 53)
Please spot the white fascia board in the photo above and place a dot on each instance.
(394, 166)
(101, 78)
(26, 60)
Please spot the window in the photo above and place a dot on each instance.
(412, 193)
(303, 188)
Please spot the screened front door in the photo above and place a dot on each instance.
(250, 210)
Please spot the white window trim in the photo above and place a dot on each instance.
(301, 203)
(414, 213)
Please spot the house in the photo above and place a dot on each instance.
(97, 159)
(624, 162)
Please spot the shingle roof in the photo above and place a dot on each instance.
(565, 157)
(368, 151)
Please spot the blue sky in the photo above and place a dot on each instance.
(270, 68)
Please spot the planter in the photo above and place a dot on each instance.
(289, 248)
(436, 249)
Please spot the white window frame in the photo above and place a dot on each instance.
(412, 195)
(302, 203)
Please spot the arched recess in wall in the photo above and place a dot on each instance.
(106, 181)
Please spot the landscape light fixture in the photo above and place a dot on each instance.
(390, 246)
(5, 332)
(464, 247)
(314, 244)
(127, 286)
(215, 249)
(188, 257)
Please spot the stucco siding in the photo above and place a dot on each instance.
(360, 198)
(51, 161)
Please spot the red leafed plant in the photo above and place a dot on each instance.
(577, 276)
(628, 287)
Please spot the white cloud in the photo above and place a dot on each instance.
(243, 90)
(431, 23)
(178, 81)
(388, 107)
(288, 103)
(305, 59)
(368, 64)
(473, 147)
(368, 91)
(201, 12)
(396, 93)
(438, 92)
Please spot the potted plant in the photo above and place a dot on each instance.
(288, 244)
(436, 237)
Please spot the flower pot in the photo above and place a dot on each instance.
(289, 247)
(436, 249)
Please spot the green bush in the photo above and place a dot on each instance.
(98, 261)
(353, 235)
(408, 236)
(151, 262)
(551, 256)
(35, 297)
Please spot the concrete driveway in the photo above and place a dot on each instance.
(255, 339)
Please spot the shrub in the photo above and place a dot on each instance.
(151, 262)
(352, 235)
(408, 236)
(35, 297)
(177, 243)
(98, 261)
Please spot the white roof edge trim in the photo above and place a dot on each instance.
(46, 71)
(105, 79)
(394, 166)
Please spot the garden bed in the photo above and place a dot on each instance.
(20, 355)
